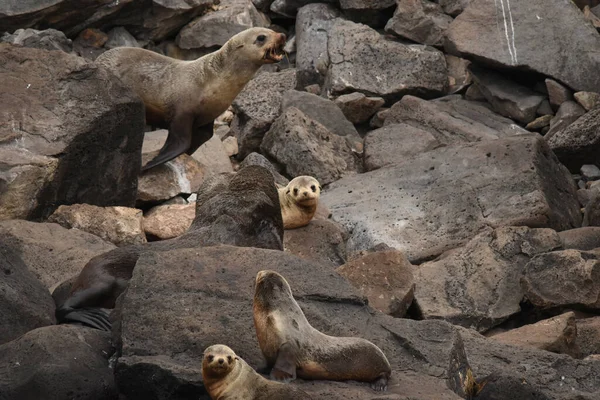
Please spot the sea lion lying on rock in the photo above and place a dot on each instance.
(186, 96)
(299, 200)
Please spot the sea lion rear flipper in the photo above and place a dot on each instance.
(200, 135)
(285, 366)
(178, 141)
(93, 317)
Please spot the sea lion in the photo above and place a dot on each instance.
(299, 200)
(293, 348)
(228, 377)
(186, 96)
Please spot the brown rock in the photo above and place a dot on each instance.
(357, 107)
(385, 278)
(458, 73)
(321, 241)
(557, 334)
(421, 21)
(557, 93)
(587, 100)
(588, 336)
(166, 222)
(587, 238)
(119, 225)
(539, 123)
(230, 145)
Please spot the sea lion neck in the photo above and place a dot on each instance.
(225, 63)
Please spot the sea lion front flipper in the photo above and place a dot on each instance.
(178, 141)
(284, 369)
(380, 385)
(200, 135)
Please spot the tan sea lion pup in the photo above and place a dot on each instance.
(186, 96)
(293, 348)
(299, 200)
(227, 377)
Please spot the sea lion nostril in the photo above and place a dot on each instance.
(221, 361)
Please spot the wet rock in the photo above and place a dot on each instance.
(507, 97)
(523, 41)
(166, 222)
(590, 172)
(588, 336)
(216, 27)
(357, 107)
(321, 241)
(421, 21)
(477, 286)
(454, 7)
(578, 143)
(586, 238)
(49, 39)
(119, 37)
(257, 106)
(361, 60)
(567, 278)
(557, 93)
(374, 13)
(25, 303)
(119, 225)
(557, 334)
(50, 251)
(394, 144)
(56, 363)
(433, 202)
(259, 159)
(385, 278)
(452, 120)
(587, 100)
(305, 147)
(313, 23)
(567, 113)
(84, 150)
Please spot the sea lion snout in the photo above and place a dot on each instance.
(282, 39)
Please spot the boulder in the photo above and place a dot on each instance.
(257, 106)
(313, 23)
(57, 363)
(357, 107)
(588, 336)
(568, 278)
(72, 133)
(48, 39)
(51, 252)
(25, 303)
(213, 155)
(477, 286)
(119, 37)
(519, 39)
(395, 143)
(119, 225)
(216, 27)
(441, 199)
(168, 221)
(374, 13)
(557, 334)
(259, 159)
(361, 60)
(421, 21)
(590, 172)
(306, 147)
(578, 143)
(586, 238)
(452, 120)
(383, 277)
(321, 241)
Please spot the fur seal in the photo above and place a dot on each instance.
(293, 348)
(299, 200)
(186, 96)
(228, 377)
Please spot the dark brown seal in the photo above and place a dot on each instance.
(186, 96)
(239, 209)
(228, 377)
(293, 348)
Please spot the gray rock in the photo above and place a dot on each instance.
(394, 144)
(25, 303)
(89, 44)
(477, 286)
(168, 221)
(507, 97)
(84, 150)
(588, 336)
(357, 107)
(474, 93)
(591, 212)
(215, 28)
(289, 8)
(259, 159)
(587, 100)
(441, 199)
(421, 21)
(312, 57)
(361, 60)
(374, 13)
(545, 108)
(119, 37)
(518, 38)
(321, 241)
(567, 113)
(305, 147)
(557, 93)
(213, 155)
(257, 106)
(49, 39)
(590, 172)
(586, 238)
(379, 118)
(454, 7)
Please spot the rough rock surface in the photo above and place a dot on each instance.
(321, 241)
(586, 238)
(361, 60)
(57, 363)
(587, 100)
(213, 156)
(357, 107)
(385, 278)
(70, 127)
(436, 201)
(454, 7)
(259, 159)
(421, 21)
(168, 221)
(588, 336)
(478, 285)
(48, 39)
(306, 147)
(50, 251)
(25, 303)
(567, 113)
(517, 37)
(119, 225)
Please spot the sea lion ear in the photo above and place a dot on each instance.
(320, 188)
(240, 46)
(288, 191)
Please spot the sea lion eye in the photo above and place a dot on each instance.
(229, 358)
(295, 191)
(210, 358)
(261, 38)
(314, 189)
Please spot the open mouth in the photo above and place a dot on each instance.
(274, 54)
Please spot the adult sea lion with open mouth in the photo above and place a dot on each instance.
(186, 96)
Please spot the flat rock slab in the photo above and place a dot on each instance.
(441, 199)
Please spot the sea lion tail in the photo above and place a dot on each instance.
(93, 317)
